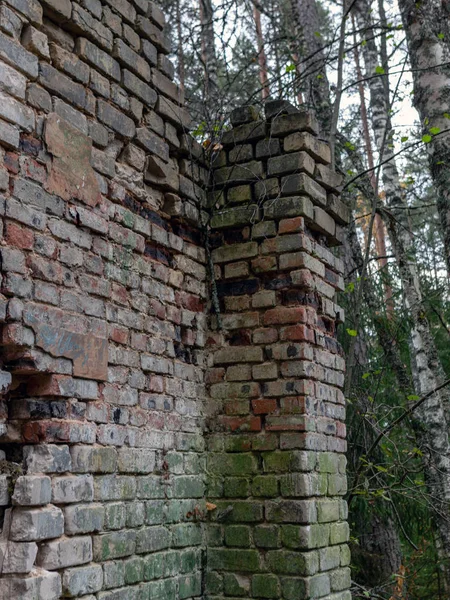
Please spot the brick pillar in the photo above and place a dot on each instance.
(276, 437)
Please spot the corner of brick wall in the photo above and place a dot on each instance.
(102, 305)
(276, 432)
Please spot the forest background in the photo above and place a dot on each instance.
(377, 75)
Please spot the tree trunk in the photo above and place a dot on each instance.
(208, 53)
(262, 60)
(427, 370)
(385, 340)
(180, 52)
(427, 31)
(313, 61)
(379, 229)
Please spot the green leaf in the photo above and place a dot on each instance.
(379, 70)
(366, 375)
(446, 115)
(350, 287)
(426, 121)
(317, 34)
(413, 397)
(426, 139)
(352, 332)
(290, 68)
(435, 130)
(364, 43)
(404, 138)
(441, 36)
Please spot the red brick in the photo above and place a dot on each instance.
(33, 170)
(241, 423)
(264, 406)
(292, 225)
(189, 301)
(156, 383)
(71, 163)
(119, 335)
(11, 162)
(262, 264)
(215, 375)
(45, 386)
(282, 314)
(157, 309)
(299, 333)
(58, 431)
(88, 353)
(17, 236)
(119, 294)
(341, 429)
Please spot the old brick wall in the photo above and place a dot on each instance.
(120, 400)
(102, 305)
(276, 432)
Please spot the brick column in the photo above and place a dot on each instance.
(276, 437)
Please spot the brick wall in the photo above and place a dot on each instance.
(276, 432)
(103, 305)
(118, 397)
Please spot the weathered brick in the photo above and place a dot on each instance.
(18, 557)
(12, 81)
(115, 119)
(140, 89)
(131, 59)
(84, 518)
(63, 553)
(82, 580)
(59, 84)
(84, 23)
(47, 459)
(36, 524)
(15, 112)
(16, 56)
(32, 490)
(98, 58)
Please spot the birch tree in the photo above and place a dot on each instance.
(427, 30)
(428, 374)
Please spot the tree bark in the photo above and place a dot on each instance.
(379, 229)
(262, 59)
(208, 54)
(431, 417)
(313, 61)
(427, 31)
(180, 52)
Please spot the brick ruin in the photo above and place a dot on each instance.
(171, 418)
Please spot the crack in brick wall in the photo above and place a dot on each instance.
(123, 408)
